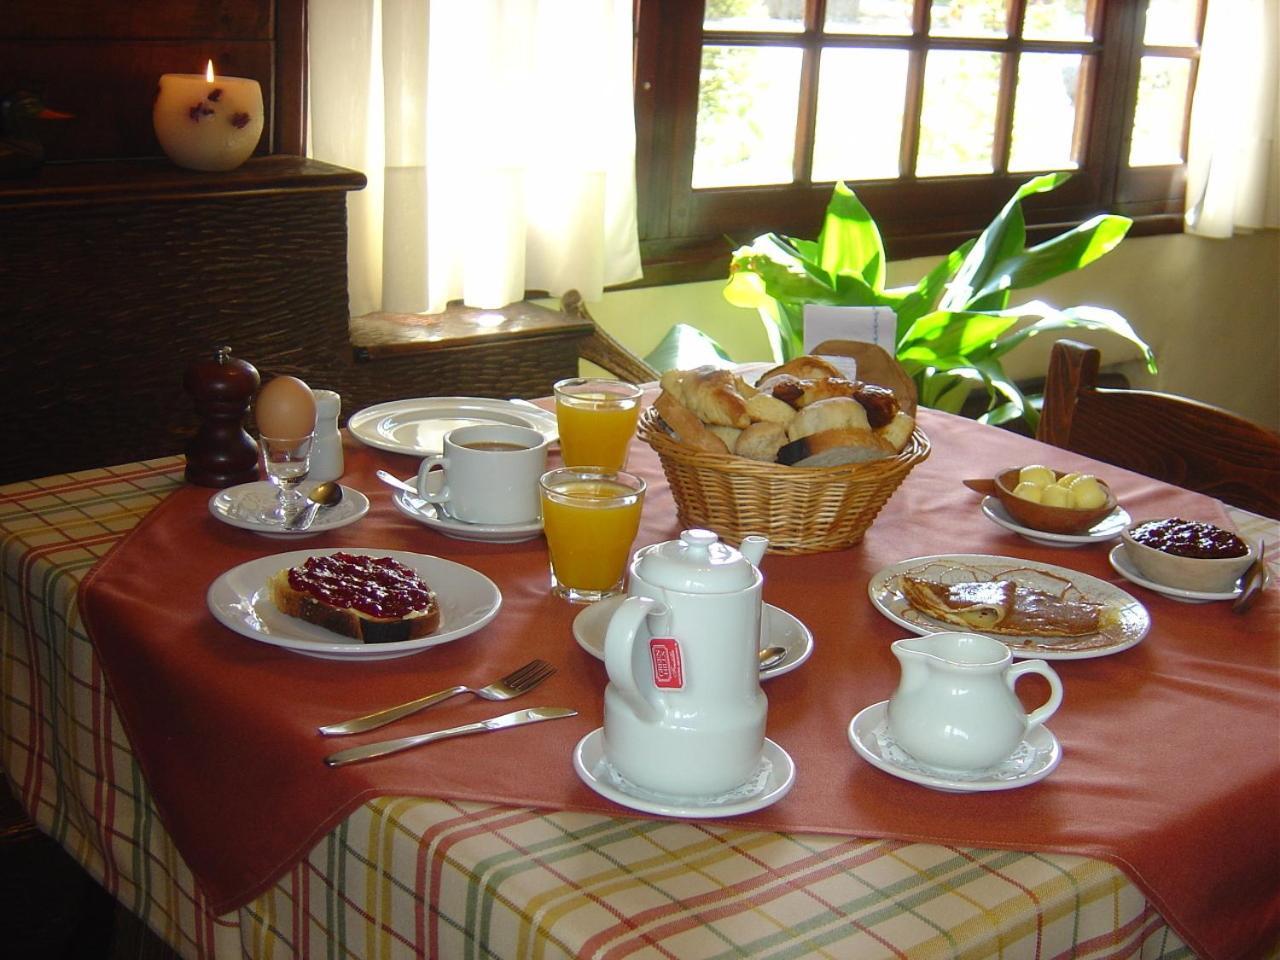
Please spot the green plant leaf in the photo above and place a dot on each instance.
(952, 334)
(924, 297)
(849, 244)
(1068, 251)
(1002, 238)
(1080, 317)
(685, 347)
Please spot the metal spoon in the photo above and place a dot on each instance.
(1255, 578)
(325, 494)
(392, 480)
(771, 657)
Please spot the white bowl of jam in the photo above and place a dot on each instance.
(1187, 554)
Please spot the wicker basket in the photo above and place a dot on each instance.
(800, 509)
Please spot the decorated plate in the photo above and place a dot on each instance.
(1125, 627)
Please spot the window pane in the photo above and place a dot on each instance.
(1057, 20)
(968, 18)
(1171, 23)
(1161, 111)
(775, 15)
(1048, 104)
(857, 135)
(957, 125)
(858, 16)
(747, 102)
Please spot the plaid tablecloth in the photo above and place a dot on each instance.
(408, 877)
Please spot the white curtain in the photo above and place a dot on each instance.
(498, 140)
(1233, 161)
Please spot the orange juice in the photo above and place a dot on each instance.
(590, 520)
(596, 419)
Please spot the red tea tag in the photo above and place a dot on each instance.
(668, 670)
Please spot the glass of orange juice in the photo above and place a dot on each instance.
(596, 419)
(590, 517)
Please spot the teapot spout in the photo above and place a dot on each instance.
(753, 548)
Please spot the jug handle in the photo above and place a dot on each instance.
(1046, 709)
(619, 640)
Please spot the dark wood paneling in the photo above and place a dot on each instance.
(136, 19)
(110, 88)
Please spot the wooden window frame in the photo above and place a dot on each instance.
(687, 234)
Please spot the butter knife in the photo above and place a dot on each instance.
(384, 747)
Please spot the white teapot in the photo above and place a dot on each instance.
(684, 714)
(955, 707)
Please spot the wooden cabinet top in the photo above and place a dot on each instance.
(151, 180)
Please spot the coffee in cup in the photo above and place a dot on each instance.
(488, 473)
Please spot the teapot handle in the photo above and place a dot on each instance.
(1046, 709)
(619, 641)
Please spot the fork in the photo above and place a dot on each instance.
(512, 685)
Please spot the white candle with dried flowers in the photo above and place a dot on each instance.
(208, 122)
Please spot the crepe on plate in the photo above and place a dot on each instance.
(1005, 607)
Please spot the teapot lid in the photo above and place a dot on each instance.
(696, 563)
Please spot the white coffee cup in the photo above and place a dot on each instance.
(488, 473)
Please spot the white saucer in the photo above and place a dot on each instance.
(429, 515)
(1122, 565)
(1108, 528)
(242, 506)
(1035, 758)
(780, 629)
(774, 779)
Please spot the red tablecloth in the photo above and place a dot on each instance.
(1171, 763)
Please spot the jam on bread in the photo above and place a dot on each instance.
(373, 599)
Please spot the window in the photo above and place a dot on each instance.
(934, 110)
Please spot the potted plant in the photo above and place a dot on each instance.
(955, 324)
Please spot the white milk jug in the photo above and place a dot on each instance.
(684, 714)
(955, 707)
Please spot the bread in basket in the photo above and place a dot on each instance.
(807, 469)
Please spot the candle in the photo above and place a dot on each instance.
(207, 122)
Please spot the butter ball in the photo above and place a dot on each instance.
(1055, 496)
(1028, 491)
(1087, 493)
(1037, 475)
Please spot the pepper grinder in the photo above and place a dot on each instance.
(221, 454)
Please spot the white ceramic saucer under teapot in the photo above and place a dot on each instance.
(684, 714)
(955, 708)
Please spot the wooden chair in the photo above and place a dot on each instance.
(1175, 439)
(604, 350)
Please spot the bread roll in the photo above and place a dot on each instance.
(761, 441)
(685, 427)
(728, 435)
(897, 431)
(764, 407)
(834, 414)
(713, 397)
(804, 368)
(830, 448)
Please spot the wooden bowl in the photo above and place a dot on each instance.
(1049, 519)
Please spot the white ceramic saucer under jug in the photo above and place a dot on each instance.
(684, 714)
(955, 708)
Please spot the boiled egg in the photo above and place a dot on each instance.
(286, 409)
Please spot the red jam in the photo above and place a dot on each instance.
(1189, 538)
(377, 586)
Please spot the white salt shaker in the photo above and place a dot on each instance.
(326, 450)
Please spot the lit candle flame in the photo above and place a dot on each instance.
(208, 72)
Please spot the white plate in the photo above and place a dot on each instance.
(1035, 758)
(781, 629)
(239, 600)
(1122, 565)
(1131, 622)
(417, 427)
(429, 515)
(773, 780)
(242, 506)
(1108, 528)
